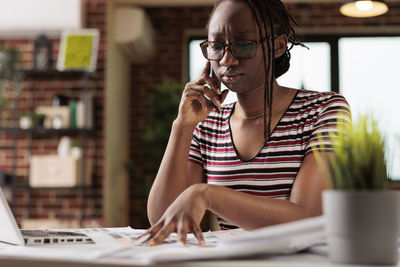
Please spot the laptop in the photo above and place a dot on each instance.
(11, 234)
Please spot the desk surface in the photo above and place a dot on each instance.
(299, 260)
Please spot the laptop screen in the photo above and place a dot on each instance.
(9, 231)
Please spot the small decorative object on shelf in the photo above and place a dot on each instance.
(42, 53)
(55, 171)
(63, 169)
(64, 146)
(31, 119)
(60, 100)
(72, 114)
(55, 117)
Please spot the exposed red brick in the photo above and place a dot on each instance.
(48, 203)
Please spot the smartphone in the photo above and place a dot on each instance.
(212, 75)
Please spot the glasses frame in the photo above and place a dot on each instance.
(228, 46)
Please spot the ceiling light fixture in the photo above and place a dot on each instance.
(363, 8)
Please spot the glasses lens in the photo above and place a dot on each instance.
(213, 50)
(244, 49)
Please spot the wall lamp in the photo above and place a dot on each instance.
(363, 8)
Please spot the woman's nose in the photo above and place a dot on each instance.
(228, 59)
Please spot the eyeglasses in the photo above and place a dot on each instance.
(213, 50)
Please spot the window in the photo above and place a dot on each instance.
(309, 68)
(363, 69)
(369, 69)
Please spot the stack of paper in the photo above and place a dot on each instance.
(120, 244)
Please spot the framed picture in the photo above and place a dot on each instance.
(78, 50)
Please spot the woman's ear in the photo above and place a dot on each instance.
(280, 45)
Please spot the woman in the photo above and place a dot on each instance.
(256, 155)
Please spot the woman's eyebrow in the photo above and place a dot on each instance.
(236, 33)
(246, 31)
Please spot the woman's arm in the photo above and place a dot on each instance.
(176, 173)
(250, 211)
(245, 210)
(172, 178)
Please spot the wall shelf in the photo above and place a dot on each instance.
(31, 135)
(44, 131)
(54, 188)
(56, 74)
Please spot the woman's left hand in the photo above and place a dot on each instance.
(182, 216)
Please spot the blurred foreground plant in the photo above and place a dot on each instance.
(358, 161)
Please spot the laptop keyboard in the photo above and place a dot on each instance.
(45, 233)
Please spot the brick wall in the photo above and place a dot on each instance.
(170, 25)
(65, 204)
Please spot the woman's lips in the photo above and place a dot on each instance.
(231, 78)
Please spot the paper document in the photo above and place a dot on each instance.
(119, 244)
(108, 236)
(277, 239)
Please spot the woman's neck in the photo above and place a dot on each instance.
(251, 104)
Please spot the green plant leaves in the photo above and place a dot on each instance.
(359, 161)
(162, 110)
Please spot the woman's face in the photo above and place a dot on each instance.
(233, 21)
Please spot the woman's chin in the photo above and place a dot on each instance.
(232, 87)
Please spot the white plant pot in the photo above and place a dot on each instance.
(362, 226)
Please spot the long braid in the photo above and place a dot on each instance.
(271, 62)
(254, 7)
(269, 65)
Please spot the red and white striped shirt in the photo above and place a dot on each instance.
(272, 171)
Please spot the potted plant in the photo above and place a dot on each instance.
(362, 216)
(11, 79)
(162, 109)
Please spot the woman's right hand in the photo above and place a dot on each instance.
(194, 106)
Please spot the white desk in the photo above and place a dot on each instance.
(296, 260)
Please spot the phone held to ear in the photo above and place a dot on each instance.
(212, 75)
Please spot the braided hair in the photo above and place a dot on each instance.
(273, 18)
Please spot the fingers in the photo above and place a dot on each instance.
(210, 95)
(196, 96)
(213, 83)
(207, 68)
(183, 227)
(209, 79)
(198, 234)
(162, 234)
(150, 232)
(204, 93)
(159, 233)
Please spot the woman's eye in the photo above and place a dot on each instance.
(217, 46)
(244, 45)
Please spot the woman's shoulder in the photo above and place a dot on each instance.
(311, 95)
(318, 103)
(315, 98)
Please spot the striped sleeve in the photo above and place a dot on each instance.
(195, 152)
(334, 111)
